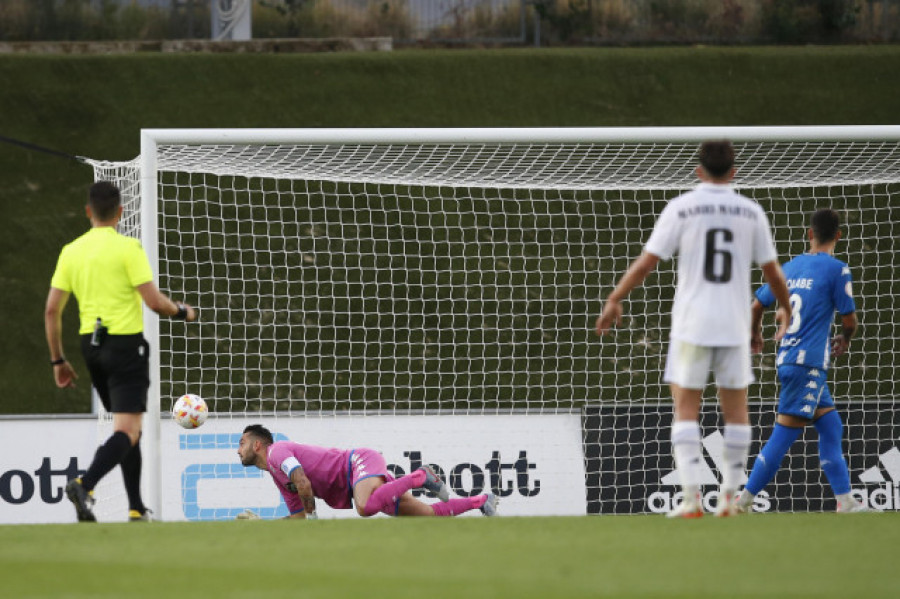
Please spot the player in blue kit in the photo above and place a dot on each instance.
(819, 285)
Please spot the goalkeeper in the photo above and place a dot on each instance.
(344, 478)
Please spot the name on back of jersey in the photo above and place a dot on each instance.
(799, 284)
(707, 209)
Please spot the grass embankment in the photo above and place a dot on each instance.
(96, 105)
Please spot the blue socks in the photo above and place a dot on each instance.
(769, 459)
(831, 456)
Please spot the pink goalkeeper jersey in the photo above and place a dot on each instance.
(326, 468)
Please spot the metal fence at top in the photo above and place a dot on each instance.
(407, 21)
(538, 22)
(471, 20)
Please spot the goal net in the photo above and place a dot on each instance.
(383, 275)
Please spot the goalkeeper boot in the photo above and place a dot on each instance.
(83, 500)
(690, 507)
(489, 508)
(434, 484)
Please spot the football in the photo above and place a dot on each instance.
(190, 411)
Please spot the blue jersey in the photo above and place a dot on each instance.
(819, 284)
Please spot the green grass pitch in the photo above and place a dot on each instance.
(775, 555)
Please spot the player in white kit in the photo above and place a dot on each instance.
(717, 235)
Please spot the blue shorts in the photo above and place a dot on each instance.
(803, 391)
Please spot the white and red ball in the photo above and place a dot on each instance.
(190, 411)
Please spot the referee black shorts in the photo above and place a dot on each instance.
(120, 371)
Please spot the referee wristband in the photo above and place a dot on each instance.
(182, 312)
(57, 362)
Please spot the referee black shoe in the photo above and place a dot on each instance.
(83, 500)
(138, 516)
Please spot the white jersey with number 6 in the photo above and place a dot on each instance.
(717, 234)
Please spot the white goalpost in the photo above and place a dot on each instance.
(357, 285)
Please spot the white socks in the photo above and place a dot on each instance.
(736, 448)
(687, 450)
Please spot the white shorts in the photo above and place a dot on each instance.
(688, 365)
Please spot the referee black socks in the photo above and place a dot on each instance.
(108, 456)
(131, 474)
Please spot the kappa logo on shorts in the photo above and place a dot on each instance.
(359, 465)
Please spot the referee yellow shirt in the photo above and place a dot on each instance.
(103, 269)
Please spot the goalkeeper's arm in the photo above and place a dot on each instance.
(305, 493)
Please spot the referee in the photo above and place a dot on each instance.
(109, 275)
